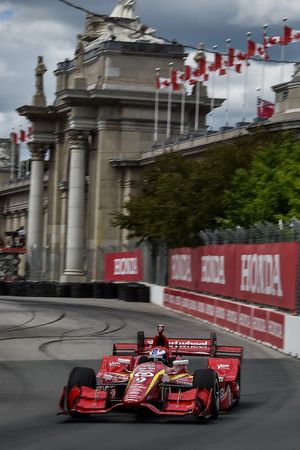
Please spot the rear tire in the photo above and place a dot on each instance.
(81, 376)
(208, 379)
(238, 382)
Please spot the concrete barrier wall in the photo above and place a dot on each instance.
(278, 330)
(292, 336)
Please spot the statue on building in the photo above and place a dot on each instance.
(296, 74)
(125, 9)
(39, 96)
(79, 52)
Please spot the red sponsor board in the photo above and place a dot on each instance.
(182, 268)
(267, 274)
(227, 314)
(275, 332)
(123, 266)
(215, 269)
(260, 273)
(259, 324)
(245, 320)
(262, 324)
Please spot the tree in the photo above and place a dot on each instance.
(269, 189)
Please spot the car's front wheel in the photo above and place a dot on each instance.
(208, 379)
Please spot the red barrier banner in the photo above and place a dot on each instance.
(275, 331)
(123, 266)
(245, 320)
(182, 268)
(261, 324)
(267, 274)
(215, 269)
(260, 273)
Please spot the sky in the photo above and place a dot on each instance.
(29, 28)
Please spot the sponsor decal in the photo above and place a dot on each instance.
(213, 269)
(223, 366)
(261, 274)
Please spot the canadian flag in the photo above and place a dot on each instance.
(22, 135)
(265, 109)
(255, 49)
(269, 41)
(290, 35)
(162, 83)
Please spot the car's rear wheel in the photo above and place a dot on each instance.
(81, 376)
(208, 379)
(238, 389)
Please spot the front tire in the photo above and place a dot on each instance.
(208, 379)
(81, 376)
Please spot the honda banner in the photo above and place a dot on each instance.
(123, 266)
(260, 273)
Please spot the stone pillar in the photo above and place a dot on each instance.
(74, 268)
(35, 213)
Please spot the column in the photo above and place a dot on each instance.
(35, 213)
(74, 268)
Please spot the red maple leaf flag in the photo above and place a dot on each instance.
(175, 79)
(22, 135)
(238, 67)
(251, 48)
(202, 66)
(162, 83)
(269, 41)
(231, 56)
(265, 109)
(287, 35)
(218, 61)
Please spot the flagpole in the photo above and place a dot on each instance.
(265, 27)
(258, 103)
(156, 106)
(182, 100)
(212, 100)
(227, 87)
(246, 82)
(284, 19)
(12, 157)
(169, 101)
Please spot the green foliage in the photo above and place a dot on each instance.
(269, 189)
(241, 183)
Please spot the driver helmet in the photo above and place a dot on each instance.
(158, 354)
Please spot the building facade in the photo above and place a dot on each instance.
(103, 112)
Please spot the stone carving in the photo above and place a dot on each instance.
(37, 151)
(77, 138)
(296, 73)
(39, 73)
(124, 9)
(4, 155)
(79, 52)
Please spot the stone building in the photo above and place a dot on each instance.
(101, 123)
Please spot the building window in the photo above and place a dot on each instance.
(285, 95)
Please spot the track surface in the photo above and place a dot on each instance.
(42, 339)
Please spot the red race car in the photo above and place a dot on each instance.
(151, 374)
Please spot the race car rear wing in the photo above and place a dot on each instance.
(182, 347)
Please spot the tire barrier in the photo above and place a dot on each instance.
(133, 292)
(110, 290)
(99, 289)
(63, 290)
(129, 292)
(81, 290)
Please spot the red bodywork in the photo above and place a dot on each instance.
(125, 381)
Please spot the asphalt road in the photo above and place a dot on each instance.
(42, 339)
